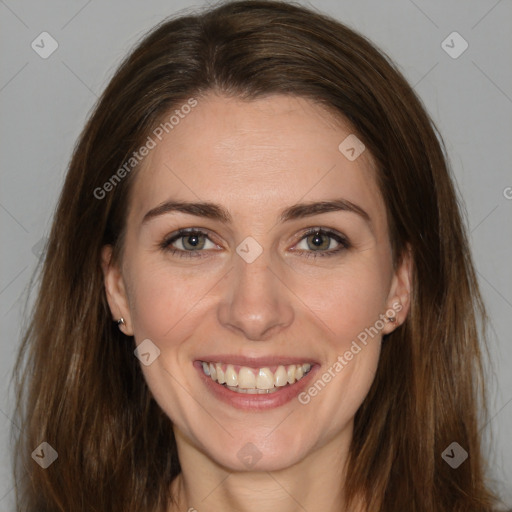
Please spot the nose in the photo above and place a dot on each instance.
(256, 302)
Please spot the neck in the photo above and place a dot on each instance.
(314, 483)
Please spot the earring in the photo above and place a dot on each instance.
(391, 319)
(120, 322)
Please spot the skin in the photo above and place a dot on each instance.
(255, 158)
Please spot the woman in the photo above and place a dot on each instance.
(258, 292)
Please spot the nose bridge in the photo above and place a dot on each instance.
(255, 302)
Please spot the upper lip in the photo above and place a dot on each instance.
(255, 362)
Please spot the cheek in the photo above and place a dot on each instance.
(353, 300)
(348, 299)
(163, 296)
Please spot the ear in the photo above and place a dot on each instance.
(116, 291)
(399, 298)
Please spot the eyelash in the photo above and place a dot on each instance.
(344, 243)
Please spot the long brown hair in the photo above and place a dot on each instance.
(81, 389)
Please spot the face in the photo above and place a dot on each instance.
(286, 304)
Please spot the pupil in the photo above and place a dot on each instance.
(317, 239)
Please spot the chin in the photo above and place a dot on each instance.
(259, 451)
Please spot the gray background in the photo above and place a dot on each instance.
(44, 104)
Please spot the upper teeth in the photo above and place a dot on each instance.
(255, 378)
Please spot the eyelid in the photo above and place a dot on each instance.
(340, 238)
(183, 232)
(323, 230)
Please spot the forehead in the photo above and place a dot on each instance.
(255, 157)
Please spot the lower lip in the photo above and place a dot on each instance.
(255, 402)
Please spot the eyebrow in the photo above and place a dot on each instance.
(219, 213)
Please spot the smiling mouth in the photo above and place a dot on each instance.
(255, 381)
